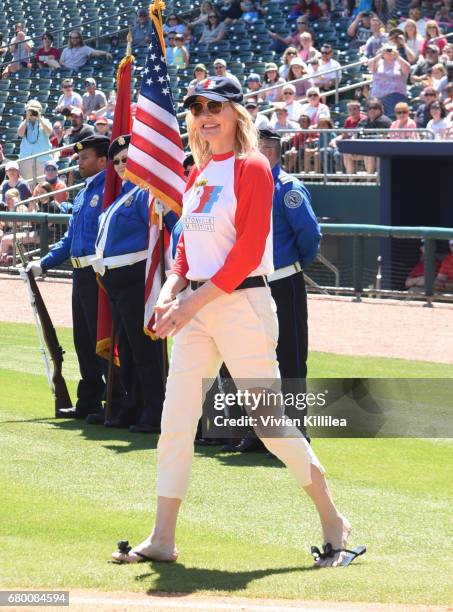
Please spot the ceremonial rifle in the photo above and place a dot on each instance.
(46, 329)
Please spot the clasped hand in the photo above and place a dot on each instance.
(171, 315)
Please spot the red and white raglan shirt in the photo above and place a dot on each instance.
(227, 221)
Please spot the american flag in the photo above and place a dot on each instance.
(156, 154)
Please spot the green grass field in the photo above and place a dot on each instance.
(70, 491)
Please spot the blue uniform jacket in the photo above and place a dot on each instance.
(128, 228)
(80, 237)
(296, 232)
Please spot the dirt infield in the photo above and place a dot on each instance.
(380, 328)
(87, 600)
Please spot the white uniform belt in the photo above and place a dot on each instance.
(124, 260)
(82, 262)
(284, 272)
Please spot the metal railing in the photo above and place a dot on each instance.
(360, 232)
(318, 148)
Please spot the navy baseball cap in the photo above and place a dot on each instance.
(220, 89)
(268, 134)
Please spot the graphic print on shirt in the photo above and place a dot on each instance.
(200, 219)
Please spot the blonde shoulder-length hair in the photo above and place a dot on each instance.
(246, 136)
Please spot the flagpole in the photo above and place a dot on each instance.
(159, 210)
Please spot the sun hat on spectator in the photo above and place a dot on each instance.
(289, 87)
(314, 61)
(12, 165)
(255, 77)
(297, 62)
(33, 104)
(199, 67)
(270, 66)
(90, 81)
(76, 111)
(219, 61)
(51, 164)
(251, 103)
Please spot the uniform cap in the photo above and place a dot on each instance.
(99, 143)
(120, 143)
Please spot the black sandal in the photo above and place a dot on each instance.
(328, 551)
(125, 548)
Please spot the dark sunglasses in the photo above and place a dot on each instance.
(313, 95)
(117, 162)
(67, 86)
(435, 107)
(214, 107)
(218, 67)
(402, 112)
(288, 93)
(291, 53)
(430, 95)
(374, 108)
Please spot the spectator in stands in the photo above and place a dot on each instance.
(56, 138)
(403, 121)
(173, 24)
(288, 55)
(200, 72)
(314, 108)
(102, 126)
(205, 9)
(307, 8)
(47, 56)
(21, 231)
(280, 43)
(377, 39)
(447, 54)
(229, 11)
(424, 66)
(448, 100)
(260, 121)
(433, 36)
(52, 179)
(180, 53)
(297, 70)
(294, 107)
(34, 131)
(422, 115)
(213, 31)
(439, 123)
(76, 54)
(360, 30)
(375, 120)
(307, 51)
(397, 38)
(220, 69)
(444, 279)
(78, 130)
(170, 47)
(93, 99)
(3, 48)
(14, 180)
(439, 78)
(46, 203)
(142, 30)
(271, 79)
(280, 119)
(68, 99)
(327, 81)
(294, 157)
(416, 15)
(413, 39)
(415, 281)
(20, 47)
(254, 83)
(3, 161)
(355, 116)
(390, 73)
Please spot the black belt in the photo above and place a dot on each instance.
(249, 283)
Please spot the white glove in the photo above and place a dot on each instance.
(35, 267)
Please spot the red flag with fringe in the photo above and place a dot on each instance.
(122, 121)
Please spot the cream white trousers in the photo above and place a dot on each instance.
(240, 329)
